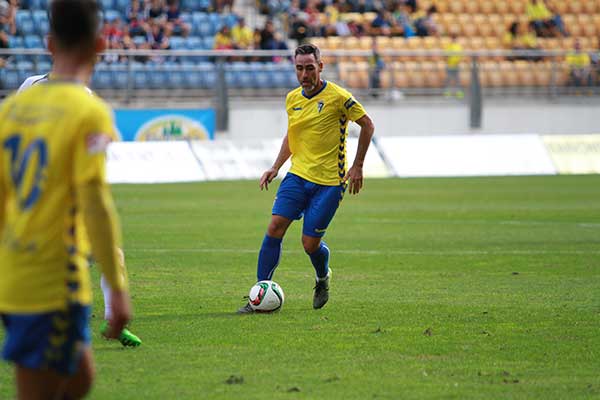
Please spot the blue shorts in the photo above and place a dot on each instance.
(298, 197)
(53, 340)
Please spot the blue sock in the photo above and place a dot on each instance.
(268, 258)
(320, 260)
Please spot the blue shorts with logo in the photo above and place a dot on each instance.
(52, 340)
(298, 197)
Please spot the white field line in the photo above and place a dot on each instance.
(374, 252)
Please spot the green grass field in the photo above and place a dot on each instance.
(442, 288)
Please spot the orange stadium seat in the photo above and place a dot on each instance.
(501, 7)
(399, 75)
(487, 7)
(456, 7)
(589, 7)
(470, 7)
(575, 6)
(517, 7)
(543, 74)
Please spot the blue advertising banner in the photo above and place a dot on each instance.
(157, 124)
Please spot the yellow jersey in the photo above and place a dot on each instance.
(317, 132)
(54, 136)
(578, 60)
(454, 51)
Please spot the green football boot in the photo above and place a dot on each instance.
(126, 338)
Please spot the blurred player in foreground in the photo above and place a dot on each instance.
(318, 115)
(126, 337)
(55, 205)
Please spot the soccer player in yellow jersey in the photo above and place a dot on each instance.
(54, 206)
(318, 115)
(126, 337)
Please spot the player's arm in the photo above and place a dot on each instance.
(354, 176)
(282, 157)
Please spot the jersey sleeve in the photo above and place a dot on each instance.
(97, 131)
(350, 107)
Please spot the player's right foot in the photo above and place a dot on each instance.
(247, 309)
(321, 295)
(126, 338)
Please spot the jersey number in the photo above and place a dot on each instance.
(20, 161)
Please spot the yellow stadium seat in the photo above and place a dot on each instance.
(508, 74)
(575, 6)
(456, 7)
(589, 7)
(561, 7)
(399, 75)
(471, 7)
(501, 7)
(517, 7)
(543, 74)
(596, 19)
(415, 75)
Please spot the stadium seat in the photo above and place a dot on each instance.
(157, 76)
(40, 21)
(33, 42)
(10, 77)
(201, 24)
(25, 70)
(140, 76)
(106, 4)
(42, 67)
(175, 76)
(111, 15)
(24, 23)
(177, 43)
(261, 76)
(121, 5)
(102, 77)
(119, 75)
(16, 42)
(208, 74)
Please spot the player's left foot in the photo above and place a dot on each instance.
(321, 295)
(126, 338)
(247, 309)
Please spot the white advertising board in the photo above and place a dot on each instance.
(152, 162)
(467, 155)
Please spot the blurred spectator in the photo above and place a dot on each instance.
(223, 40)
(558, 26)
(113, 31)
(175, 24)
(382, 24)
(243, 37)
(454, 57)
(412, 5)
(540, 17)
(156, 11)
(521, 36)
(402, 17)
(8, 26)
(136, 19)
(425, 25)
(267, 35)
(332, 18)
(376, 65)
(579, 63)
(298, 29)
(278, 44)
(158, 38)
(223, 6)
(356, 29)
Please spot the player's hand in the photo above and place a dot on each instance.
(354, 177)
(121, 313)
(267, 177)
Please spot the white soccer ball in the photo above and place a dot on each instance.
(266, 296)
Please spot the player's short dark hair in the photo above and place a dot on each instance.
(74, 24)
(308, 48)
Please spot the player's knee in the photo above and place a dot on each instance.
(310, 244)
(276, 229)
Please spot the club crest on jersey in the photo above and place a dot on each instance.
(97, 143)
(320, 105)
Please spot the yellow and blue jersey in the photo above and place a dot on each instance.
(53, 136)
(317, 132)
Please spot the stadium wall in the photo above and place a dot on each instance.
(400, 156)
(258, 120)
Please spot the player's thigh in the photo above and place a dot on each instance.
(33, 384)
(291, 198)
(79, 384)
(47, 345)
(321, 209)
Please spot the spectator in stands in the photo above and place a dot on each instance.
(223, 6)
(136, 19)
(223, 40)
(402, 18)
(521, 37)
(454, 57)
(425, 25)
(242, 36)
(540, 17)
(382, 24)
(376, 66)
(267, 35)
(298, 28)
(332, 18)
(158, 38)
(279, 44)
(558, 26)
(412, 4)
(175, 24)
(8, 26)
(579, 62)
(156, 11)
(356, 29)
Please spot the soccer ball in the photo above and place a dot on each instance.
(266, 296)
